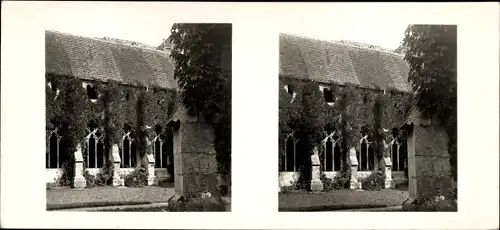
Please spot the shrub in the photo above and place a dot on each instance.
(437, 204)
(287, 189)
(137, 178)
(99, 179)
(374, 181)
(202, 202)
(336, 183)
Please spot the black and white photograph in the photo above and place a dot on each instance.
(177, 115)
(365, 127)
(139, 127)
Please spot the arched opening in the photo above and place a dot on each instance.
(91, 156)
(328, 95)
(125, 154)
(162, 147)
(133, 154)
(395, 156)
(290, 154)
(329, 155)
(158, 151)
(129, 150)
(168, 150)
(366, 155)
(100, 154)
(332, 156)
(91, 92)
(53, 151)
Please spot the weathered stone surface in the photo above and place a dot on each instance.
(316, 183)
(194, 159)
(387, 162)
(79, 181)
(352, 157)
(389, 182)
(428, 162)
(207, 163)
(196, 137)
(354, 184)
(194, 183)
(316, 186)
(315, 157)
(117, 180)
(151, 170)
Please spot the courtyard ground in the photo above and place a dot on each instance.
(341, 200)
(64, 198)
(149, 198)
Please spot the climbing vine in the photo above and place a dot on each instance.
(354, 113)
(69, 109)
(201, 53)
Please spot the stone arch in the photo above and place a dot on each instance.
(55, 158)
(290, 164)
(366, 154)
(332, 160)
(94, 147)
(129, 148)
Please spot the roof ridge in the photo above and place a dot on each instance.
(339, 42)
(109, 41)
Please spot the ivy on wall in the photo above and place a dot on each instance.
(69, 108)
(355, 112)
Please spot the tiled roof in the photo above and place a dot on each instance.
(341, 63)
(98, 59)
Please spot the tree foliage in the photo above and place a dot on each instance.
(431, 51)
(202, 54)
(432, 56)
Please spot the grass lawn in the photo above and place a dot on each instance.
(340, 199)
(59, 198)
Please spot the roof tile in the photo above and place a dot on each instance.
(97, 59)
(330, 62)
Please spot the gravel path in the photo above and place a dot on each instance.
(340, 199)
(103, 196)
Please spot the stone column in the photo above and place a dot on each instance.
(117, 181)
(354, 184)
(151, 170)
(316, 184)
(195, 165)
(429, 170)
(389, 182)
(79, 181)
(149, 161)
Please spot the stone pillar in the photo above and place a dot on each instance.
(316, 184)
(151, 170)
(354, 184)
(389, 182)
(79, 181)
(117, 181)
(429, 170)
(195, 165)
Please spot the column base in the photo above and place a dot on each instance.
(354, 185)
(390, 183)
(316, 186)
(80, 182)
(152, 181)
(118, 182)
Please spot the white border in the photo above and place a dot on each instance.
(255, 111)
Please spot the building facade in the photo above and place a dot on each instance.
(335, 64)
(98, 60)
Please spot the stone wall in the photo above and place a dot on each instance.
(194, 159)
(429, 168)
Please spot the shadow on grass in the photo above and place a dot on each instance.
(52, 207)
(329, 208)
